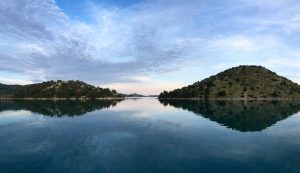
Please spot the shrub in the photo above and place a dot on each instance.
(221, 93)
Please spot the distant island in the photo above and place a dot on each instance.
(139, 95)
(239, 83)
(135, 95)
(58, 89)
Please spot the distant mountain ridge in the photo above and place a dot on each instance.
(62, 89)
(242, 82)
(135, 95)
(139, 95)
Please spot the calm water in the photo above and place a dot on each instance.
(148, 135)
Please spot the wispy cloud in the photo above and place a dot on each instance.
(14, 81)
(46, 44)
(128, 44)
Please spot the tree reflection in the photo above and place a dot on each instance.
(239, 115)
(58, 108)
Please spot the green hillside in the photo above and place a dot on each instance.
(64, 89)
(243, 82)
(9, 89)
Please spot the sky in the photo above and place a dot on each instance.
(145, 46)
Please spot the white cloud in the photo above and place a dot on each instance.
(235, 43)
(14, 81)
(44, 43)
(275, 16)
(128, 45)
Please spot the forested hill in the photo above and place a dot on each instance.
(9, 89)
(64, 89)
(242, 82)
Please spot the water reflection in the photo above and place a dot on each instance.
(163, 139)
(239, 115)
(58, 108)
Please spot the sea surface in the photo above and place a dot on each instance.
(149, 136)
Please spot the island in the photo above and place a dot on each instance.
(135, 95)
(239, 83)
(139, 95)
(72, 89)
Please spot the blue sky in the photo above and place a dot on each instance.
(145, 46)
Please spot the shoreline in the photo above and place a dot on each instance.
(194, 98)
(234, 99)
(100, 98)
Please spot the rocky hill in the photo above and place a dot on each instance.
(242, 82)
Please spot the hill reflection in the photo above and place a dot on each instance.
(239, 115)
(58, 108)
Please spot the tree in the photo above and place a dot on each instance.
(221, 93)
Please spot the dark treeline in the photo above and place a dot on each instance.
(6, 90)
(64, 89)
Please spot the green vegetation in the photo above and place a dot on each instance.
(6, 90)
(243, 82)
(64, 89)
